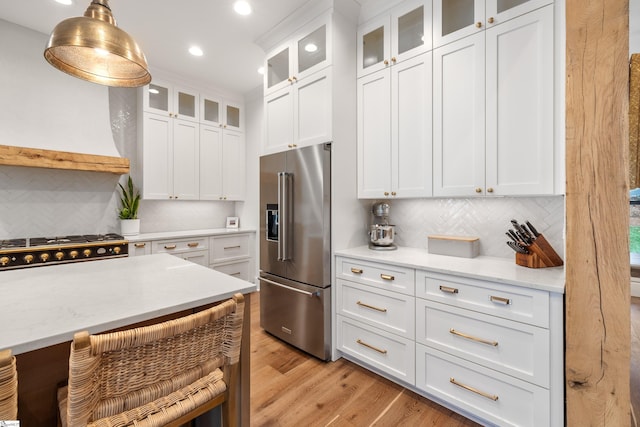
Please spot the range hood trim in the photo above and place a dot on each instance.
(52, 159)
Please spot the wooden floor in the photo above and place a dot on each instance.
(290, 388)
(635, 359)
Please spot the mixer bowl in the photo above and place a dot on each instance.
(382, 234)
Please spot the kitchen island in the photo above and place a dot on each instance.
(43, 307)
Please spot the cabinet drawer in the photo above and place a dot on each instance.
(227, 248)
(388, 352)
(391, 311)
(488, 394)
(383, 276)
(235, 269)
(196, 257)
(179, 245)
(139, 248)
(509, 347)
(510, 302)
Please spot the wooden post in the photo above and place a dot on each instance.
(597, 209)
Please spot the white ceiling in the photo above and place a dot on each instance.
(166, 29)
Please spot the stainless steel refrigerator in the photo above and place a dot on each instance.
(295, 247)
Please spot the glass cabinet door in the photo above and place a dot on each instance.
(410, 30)
(498, 11)
(312, 49)
(210, 110)
(374, 46)
(186, 105)
(233, 117)
(157, 98)
(278, 68)
(454, 19)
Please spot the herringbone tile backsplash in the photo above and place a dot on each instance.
(487, 218)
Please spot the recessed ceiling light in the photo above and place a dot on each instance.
(261, 70)
(242, 7)
(311, 47)
(195, 51)
(64, 2)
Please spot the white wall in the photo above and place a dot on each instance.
(45, 108)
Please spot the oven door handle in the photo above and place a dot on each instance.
(271, 282)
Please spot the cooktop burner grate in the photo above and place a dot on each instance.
(13, 243)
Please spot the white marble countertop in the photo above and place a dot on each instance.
(42, 306)
(187, 233)
(500, 270)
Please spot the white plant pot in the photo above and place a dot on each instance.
(130, 227)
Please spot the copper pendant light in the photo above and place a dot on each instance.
(93, 48)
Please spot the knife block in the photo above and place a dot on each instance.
(541, 255)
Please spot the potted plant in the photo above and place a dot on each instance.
(128, 213)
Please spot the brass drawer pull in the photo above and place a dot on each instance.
(505, 301)
(474, 390)
(139, 245)
(169, 246)
(193, 245)
(361, 304)
(356, 270)
(448, 290)
(235, 274)
(232, 247)
(359, 341)
(387, 277)
(472, 338)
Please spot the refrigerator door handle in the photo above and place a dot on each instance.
(271, 282)
(283, 206)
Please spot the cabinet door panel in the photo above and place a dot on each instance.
(278, 118)
(313, 109)
(455, 19)
(186, 167)
(374, 135)
(233, 165)
(374, 46)
(459, 122)
(520, 105)
(210, 163)
(503, 10)
(411, 121)
(411, 24)
(157, 155)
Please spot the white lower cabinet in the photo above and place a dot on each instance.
(139, 248)
(232, 255)
(491, 351)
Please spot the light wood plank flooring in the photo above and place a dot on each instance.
(290, 388)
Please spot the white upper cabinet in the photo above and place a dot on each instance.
(304, 54)
(216, 111)
(394, 131)
(455, 19)
(173, 101)
(493, 110)
(222, 164)
(391, 38)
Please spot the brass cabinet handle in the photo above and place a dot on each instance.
(490, 190)
(478, 24)
(386, 62)
(234, 274)
(490, 20)
(193, 245)
(387, 277)
(294, 78)
(382, 310)
(386, 193)
(501, 300)
(472, 338)
(393, 193)
(357, 270)
(290, 80)
(169, 246)
(448, 290)
(478, 190)
(393, 59)
(139, 245)
(379, 350)
(473, 390)
(232, 247)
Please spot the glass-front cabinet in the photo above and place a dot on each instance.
(402, 34)
(303, 55)
(455, 19)
(216, 111)
(169, 100)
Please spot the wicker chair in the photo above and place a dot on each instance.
(8, 386)
(160, 375)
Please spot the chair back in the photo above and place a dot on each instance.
(8, 386)
(153, 374)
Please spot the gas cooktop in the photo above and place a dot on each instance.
(37, 251)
